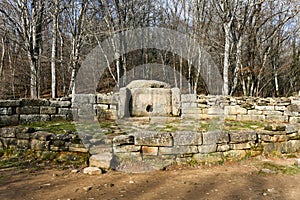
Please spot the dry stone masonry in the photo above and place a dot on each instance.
(202, 147)
(280, 132)
(25, 111)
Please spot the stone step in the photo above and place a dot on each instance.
(192, 111)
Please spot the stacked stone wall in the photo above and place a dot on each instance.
(24, 111)
(279, 110)
(202, 147)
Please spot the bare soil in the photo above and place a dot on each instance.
(232, 180)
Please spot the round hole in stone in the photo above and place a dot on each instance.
(149, 108)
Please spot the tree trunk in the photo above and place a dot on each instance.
(2, 57)
(53, 49)
(226, 63)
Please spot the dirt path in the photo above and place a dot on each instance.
(230, 181)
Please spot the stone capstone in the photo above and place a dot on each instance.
(147, 84)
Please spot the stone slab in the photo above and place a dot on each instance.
(214, 137)
(178, 150)
(153, 138)
(187, 138)
(9, 120)
(47, 110)
(149, 151)
(10, 103)
(241, 136)
(27, 119)
(207, 148)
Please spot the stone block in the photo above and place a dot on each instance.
(58, 143)
(242, 136)
(60, 104)
(152, 138)
(195, 111)
(123, 140)
(209, 158)
(264, 108)
(149, 151)
(280, 108)
(271, 112)
(42, 135)
(86, 109)
(202, 106)
(64, 111)
(268, 132)
(215, 111)
(61, 148)
(6, 111)
(34, 102)
(9, 142)
(39, 145)
(99, 149)
(20, 129)
(283, 102)
(291, 146)
(234, 155)
(188, 98)
(187, 138)
(58, 117)
(293, 108)
(23, 144)
(234, 110)
(295, 120)
(126, 148)
(207, 148)
(10, 103)
(255, 112)
(293, 136)
(273, 138)
(92, 171)
(291, 114)
(154, 101)
(251, 117)
(277, 119)
(191, 116)
(8, 132)
(125, 96)
(23, 135)
(214, 137)
(47, 110)
(223, 147)
(176, 103)
(101, 106)
(75, 149)
(296, 101)
(178, 150)
(241, 146)
(188, 105)
(27, 119)
(292, 128)
(84, 98)
(28, 110)
(10, 120)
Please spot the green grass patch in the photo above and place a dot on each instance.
(283, 169)
(238, 125)
(57, 127)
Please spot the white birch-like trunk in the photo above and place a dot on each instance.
(226, 58)
(53, 49)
